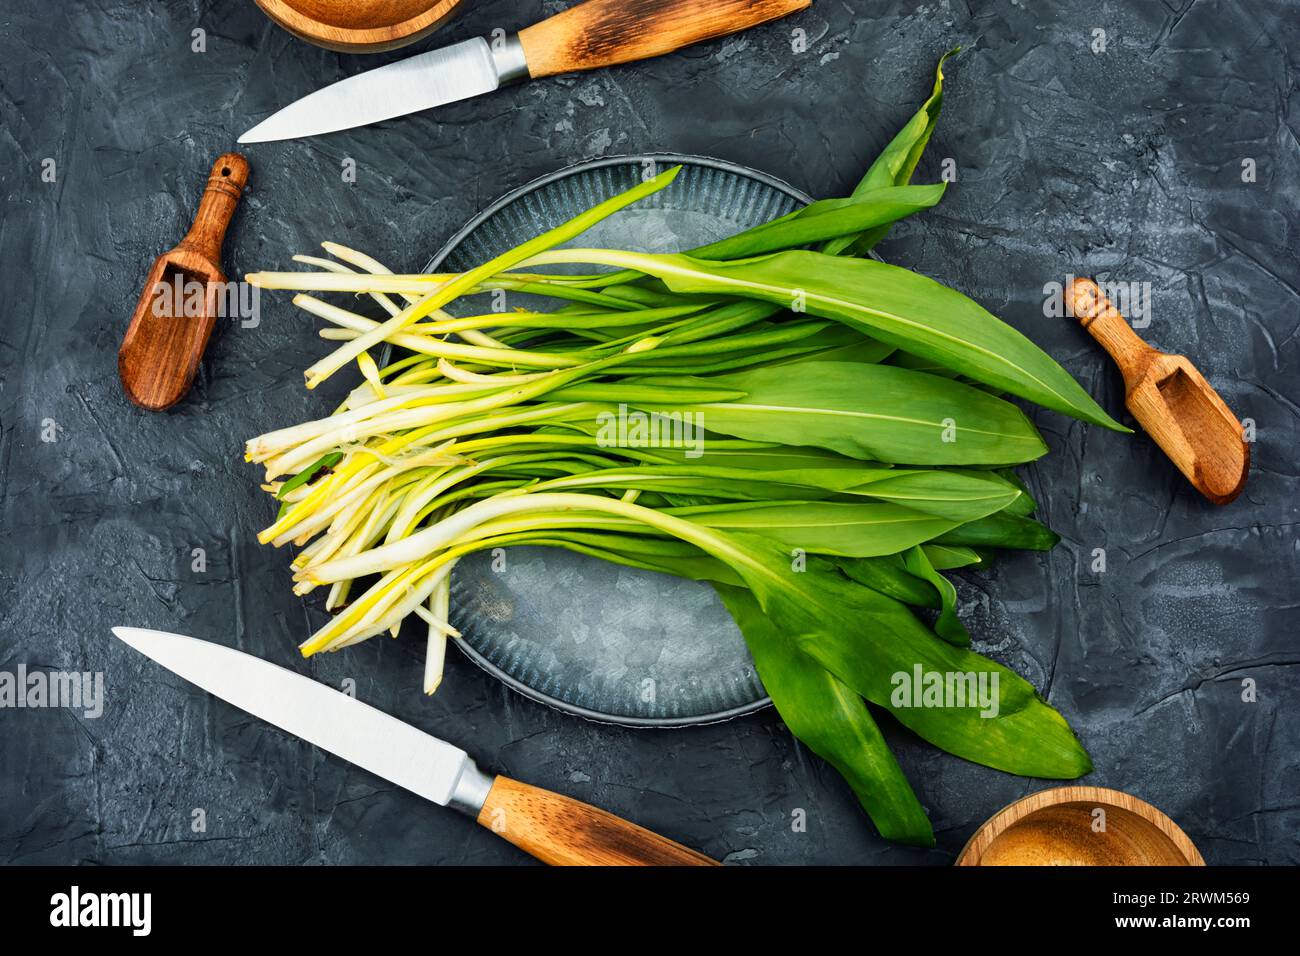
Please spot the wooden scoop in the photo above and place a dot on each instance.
(160, 353)
(1170, 399)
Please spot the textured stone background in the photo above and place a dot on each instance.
(1126, 163)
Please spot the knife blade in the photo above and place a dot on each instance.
(554, 828)
(591, 35)
(422, 82)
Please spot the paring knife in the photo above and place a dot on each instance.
(555, 829)
(591, 35)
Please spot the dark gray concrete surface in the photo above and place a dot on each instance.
(1127, 163)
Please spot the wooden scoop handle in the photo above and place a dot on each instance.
(1104, 323)
(220, 197)
(562, 831)
(602, 33)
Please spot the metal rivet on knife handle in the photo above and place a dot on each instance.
(509, 60)
(1170, 399)
(602, 33)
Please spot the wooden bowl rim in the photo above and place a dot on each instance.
(1031, 803)
(352, 39)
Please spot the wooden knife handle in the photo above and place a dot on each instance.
(562, 831)
(608, 32)
(225, 185)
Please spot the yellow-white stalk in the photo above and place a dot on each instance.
(436, 648)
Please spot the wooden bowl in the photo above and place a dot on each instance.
(359, 26)
(1062, 827)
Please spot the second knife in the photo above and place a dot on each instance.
(591, 35)
(556, 829)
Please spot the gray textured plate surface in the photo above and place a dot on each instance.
(585, 636)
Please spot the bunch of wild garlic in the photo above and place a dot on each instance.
(807, 401)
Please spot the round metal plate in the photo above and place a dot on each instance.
(585, 636)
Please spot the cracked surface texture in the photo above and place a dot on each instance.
(1127, 164)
